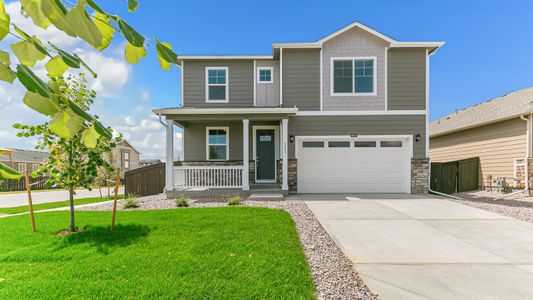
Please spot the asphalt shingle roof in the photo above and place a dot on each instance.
(21, 155)
(497, 109)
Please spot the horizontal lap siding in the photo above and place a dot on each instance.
(361, 125)
(301, 78)
(406, 79)
(497, 145)
(241, 81)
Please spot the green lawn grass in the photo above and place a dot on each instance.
(198, 253)
(24, 208)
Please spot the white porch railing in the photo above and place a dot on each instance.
(186, 177)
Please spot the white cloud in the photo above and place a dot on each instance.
(145, 96)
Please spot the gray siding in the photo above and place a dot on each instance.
(361, 125)
(301, 78)
(354, 43)
(407, 79)
(241, 89)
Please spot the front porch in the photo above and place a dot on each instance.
(228, 151)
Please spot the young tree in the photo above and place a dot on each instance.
(85, 20)
(76, 152)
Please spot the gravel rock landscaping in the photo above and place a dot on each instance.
(333, 273)
(518, 206)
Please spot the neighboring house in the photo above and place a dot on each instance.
(498, 131)
(344, 114)
(148, 162)
(22, 160)
(125, 157)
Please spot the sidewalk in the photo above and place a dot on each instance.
(19, 199)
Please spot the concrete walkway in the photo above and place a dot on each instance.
(19, 199)
(409, 247)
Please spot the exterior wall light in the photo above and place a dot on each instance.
(417, 137)
(291, 138)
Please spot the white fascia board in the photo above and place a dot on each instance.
(431, 46)
(224, 111)
(358, 25)
(362, 113)
(200, 57)
(296, 45)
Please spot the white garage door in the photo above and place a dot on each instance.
(336, 165)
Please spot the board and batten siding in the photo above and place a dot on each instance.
(267, 94)
(301, 78)
(497, 146)
(360, 125)
(241, 83)
(406, 86)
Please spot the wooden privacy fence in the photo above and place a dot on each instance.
(11, 185)
(145, 181)
(455, 176)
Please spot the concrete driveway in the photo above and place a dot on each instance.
(410, 247)
(20, 199)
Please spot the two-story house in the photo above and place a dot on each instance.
(345, 114)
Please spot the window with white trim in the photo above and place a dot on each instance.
(216, 79)
(217, 143)
(35, 167)
(22, 167)
(353, 76)
(265, 75)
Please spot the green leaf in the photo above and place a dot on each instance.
(134, 54)
(133, 5)
(6, 74)
(43, 105)
(31, 82)
(98, 126)
(65, 124)
(6, 172)
(4, 21)
(56, 12)
(32, 8)
(95, 6)
(130, 34)
(71, 60)
(86, 66)
(165, 54)
(32, 39)
(83, 26)
(4, 58)
(27, 53)
(56, 66)
(90, 137)
(106, 30)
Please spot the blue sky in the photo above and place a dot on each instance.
(487, 53)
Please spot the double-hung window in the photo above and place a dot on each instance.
(353, 76)
(217, 143)
(216, 79)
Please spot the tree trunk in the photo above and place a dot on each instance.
(71, 201)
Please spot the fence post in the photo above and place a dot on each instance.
(30, 203)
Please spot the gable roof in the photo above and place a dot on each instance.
(495, 110)
(431, 46)
(22, 155)
(125, 143)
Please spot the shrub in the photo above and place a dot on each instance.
(235, 200)
(182, 202)
(131, 202)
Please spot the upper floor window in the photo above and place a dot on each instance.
(216, 84)
(22, 167)
(265, 75)
(126, 160)
(353, 76)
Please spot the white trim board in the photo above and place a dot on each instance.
(258, 75)
(276, 149)
(362, 113)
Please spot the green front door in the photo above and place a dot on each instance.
(265, 151)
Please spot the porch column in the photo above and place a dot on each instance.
(285, 146)
(169, 157)
(245, 155)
